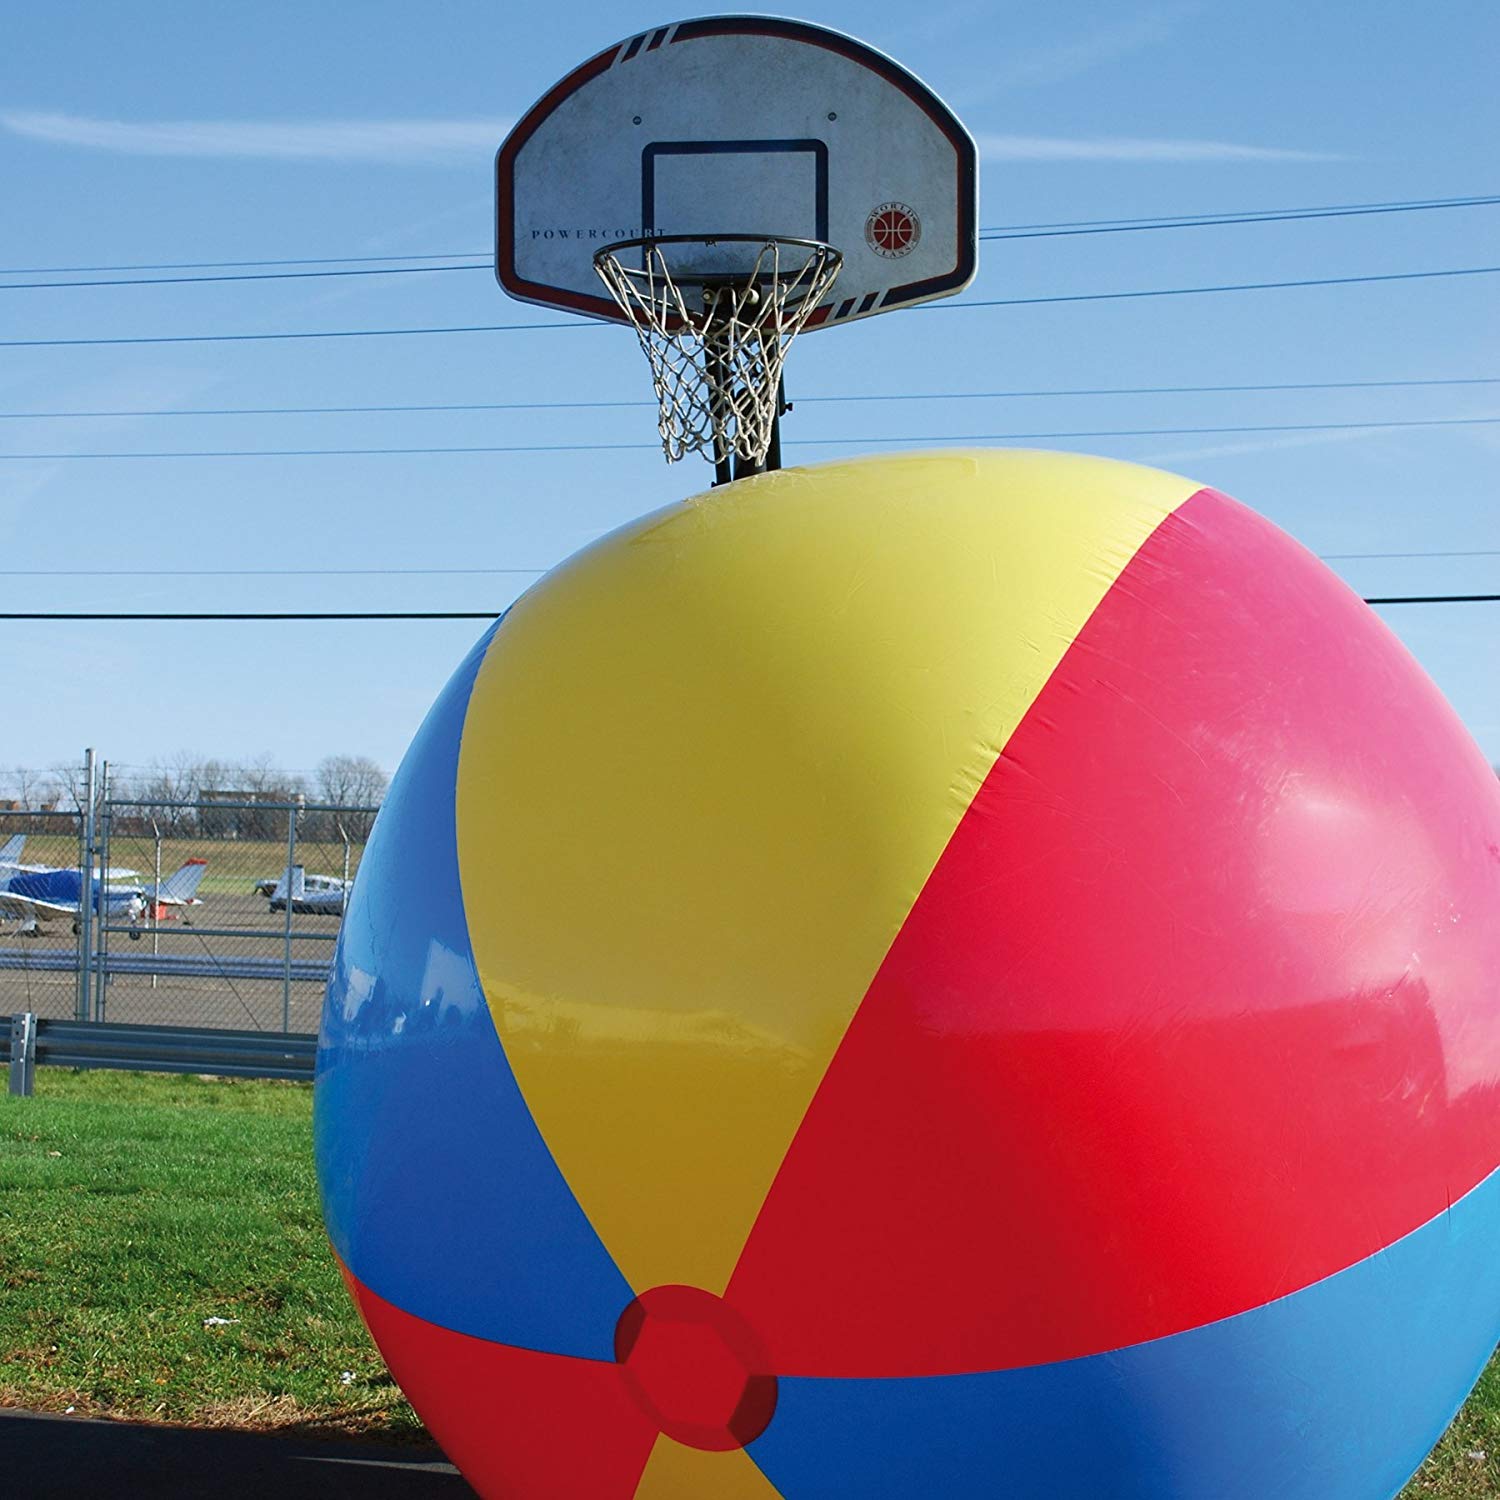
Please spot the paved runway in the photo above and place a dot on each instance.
(63, 1458)
(220, 966)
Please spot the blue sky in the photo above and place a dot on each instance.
(185, 132)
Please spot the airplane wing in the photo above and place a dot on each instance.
(30, 906)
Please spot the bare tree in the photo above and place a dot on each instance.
(32, 788)
(168, 784)
(352, 781)
(65, 783)
(262, 776)
(262, 780)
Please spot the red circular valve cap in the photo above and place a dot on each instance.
(696, 1367)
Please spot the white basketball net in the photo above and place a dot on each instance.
(717, 345)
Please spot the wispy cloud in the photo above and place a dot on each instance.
(934, 23)
(269, 140)
(1260, 445)
(153, 388)
(439, 141)
(1134, 149)
(1079, 47)
(1088, 47)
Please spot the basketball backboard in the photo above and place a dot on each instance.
(740, 125)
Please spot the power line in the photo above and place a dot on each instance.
(1003, 231)
(1362, 556)
(969, 437)
(261, 572)
(1209, 221)
(1199, 291)
(451, 406)
(986, 235)
(487, 572)
(366, 333)
(41, 286)
(334, 333)
(216, 265)
(490, 614)
(1437, 599)
(415, 614)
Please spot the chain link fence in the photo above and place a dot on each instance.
(209, 913)
(41, 952)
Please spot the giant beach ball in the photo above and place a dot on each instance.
(956, 974)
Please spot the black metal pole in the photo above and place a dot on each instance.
(743, 467)
(773, 450)
(723, 470)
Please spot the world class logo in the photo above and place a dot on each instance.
(892, 230)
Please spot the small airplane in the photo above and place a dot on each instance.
(34, 893)
(178, 889)
(323, 895)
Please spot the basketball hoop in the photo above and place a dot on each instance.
(715, 315)
(857, 168)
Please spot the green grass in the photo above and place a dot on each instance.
(234, 865)
(1465, 1465)
(47, 848)
(133, 1208)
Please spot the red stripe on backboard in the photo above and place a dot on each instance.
(505, 160)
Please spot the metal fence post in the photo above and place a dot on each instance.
(23, 1053)
(104, 819)
(155, 899)
(286, 960)
(86, 890)
(222, 960)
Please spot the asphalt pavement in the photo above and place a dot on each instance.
(72, 1458)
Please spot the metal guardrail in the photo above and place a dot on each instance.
(184, 965)
(32, 1041)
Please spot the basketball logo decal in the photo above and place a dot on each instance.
(892, 230)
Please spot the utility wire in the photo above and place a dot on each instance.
(218, 265)
(52, 286)
(1004, 231)
(367, 333)
(1209, 221)
(1437, 599)
(418, 614)
(1199, 291)
(487, 572)
(490, 614)
(299, 572)
(1131, 390)
(968, 437)
(1364, 556)
(334, 333)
